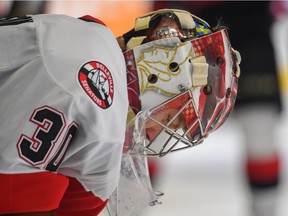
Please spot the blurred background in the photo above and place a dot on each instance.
(241, 169)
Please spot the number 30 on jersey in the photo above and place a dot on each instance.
(44, 148)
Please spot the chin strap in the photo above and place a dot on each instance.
(237, 61)
(200, 71)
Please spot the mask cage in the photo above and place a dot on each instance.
(168, 137)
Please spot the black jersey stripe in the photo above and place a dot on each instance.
(15, 20)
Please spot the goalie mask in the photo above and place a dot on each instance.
(182, 77)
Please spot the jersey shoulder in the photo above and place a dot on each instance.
(69, 44)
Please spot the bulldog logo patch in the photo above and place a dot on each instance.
(96, 80)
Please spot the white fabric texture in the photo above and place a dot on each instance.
(39, 67)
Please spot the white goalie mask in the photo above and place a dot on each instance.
(182, 77)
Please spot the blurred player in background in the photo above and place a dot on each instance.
(259, 105)
(279, 32)
(66, 79)
(19, 8)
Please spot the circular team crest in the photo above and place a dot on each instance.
(97, 82)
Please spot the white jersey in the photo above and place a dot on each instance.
(63, 100)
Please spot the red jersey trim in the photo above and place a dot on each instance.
(31, 192)
(79, 202)
(89, 18)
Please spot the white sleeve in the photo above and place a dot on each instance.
(46, 90)
(94, 157)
